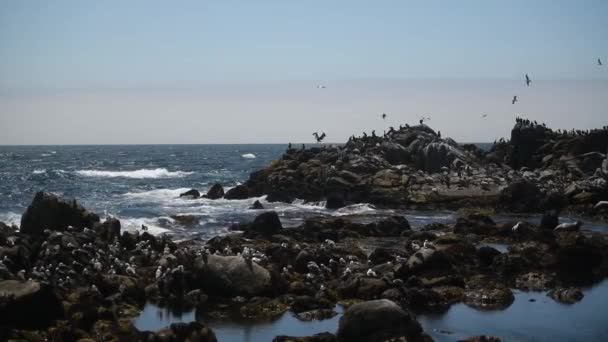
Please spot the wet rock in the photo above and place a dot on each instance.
(238, 192)
(257, 205)
(377, 320)
(425, 261)
(49, 211)
(335, 201)
(487, 295)
(308, 303)
(28, 304)
(215, 192)
(232, 275)
(192, 193)
(566, 295)
(534, 281)
(265, 224)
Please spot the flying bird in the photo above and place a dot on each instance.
(318, 137)
(514, 99)
(484, 116)
(528, 81)
(383, 116)
(599, 62)
(320, 86)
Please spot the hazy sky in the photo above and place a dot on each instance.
(246, 71)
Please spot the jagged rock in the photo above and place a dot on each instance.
(215, 192)
(257, 205)
(193, 193)
(109, 229)
(266, 224)
(377, 320)
(521, 196)
(48, 211)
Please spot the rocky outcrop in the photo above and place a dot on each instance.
(47, 211)
(192, 193)
(215, 192)
(377, 320)
(265, 224)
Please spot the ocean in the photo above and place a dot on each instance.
(140, 184)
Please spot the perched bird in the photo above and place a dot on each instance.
(599, 62)
(371, 273)
(383, 116)
(514, 99)
(318, 137)
(427, 244)
(528, 81)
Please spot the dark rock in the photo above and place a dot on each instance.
(487, 295)
(216, 191)
(566, 295)
(109, 229)
(335, 201)
(231, 276)
(28, 304)
(475, 224)
(550, 220)
(238, 192)
(322, 337)
(48, 211)
(520, 196)
(194, 331)
(257, 205)
(193, 193)
(266, 224)
(377, 320)
(486, 255)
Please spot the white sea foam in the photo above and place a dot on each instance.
(10, 218)
(142, 173)
(248, 156)
(157, 195)
(135, 224)
(37, 172)
(360, 208)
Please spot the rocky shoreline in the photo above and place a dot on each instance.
(86, 279)
(68, 275)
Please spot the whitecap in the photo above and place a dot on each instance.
(135, 224)
(38, 171)
(141, 173)
(248, 156)
(360, 208)
(157, 195)
(10, 218)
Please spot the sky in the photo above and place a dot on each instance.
(106, 72)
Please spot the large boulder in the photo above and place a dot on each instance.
(377, 320)
(49, 211)
(238, 192)
(267, 224)
(475, 224)
(28, 304)
(215, 192)
(232, 276)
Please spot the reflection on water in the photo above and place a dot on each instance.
(532, 317)
(154, 318)
(540, 320)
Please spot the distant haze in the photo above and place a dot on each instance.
(115, 72)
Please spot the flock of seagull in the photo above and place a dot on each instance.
(319, 138)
